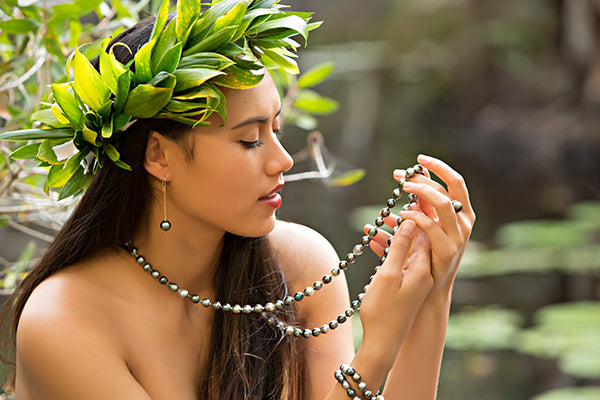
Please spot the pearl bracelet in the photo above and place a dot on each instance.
(347, 370)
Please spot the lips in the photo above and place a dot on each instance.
(273, 192)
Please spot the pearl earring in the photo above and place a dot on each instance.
(165, 225)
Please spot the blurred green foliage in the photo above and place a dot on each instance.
(569, 331)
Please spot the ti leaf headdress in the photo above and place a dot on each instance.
(177, 76)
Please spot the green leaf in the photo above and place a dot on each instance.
(58, 176)
(315, 75)
(314, 103)
(292, 22)
(88, 83)
(123, 84)
(571, 393)
(205, 60)
(47, 117)
(163, 79)
(166, 40)
(283, 59)
(239, 78)
(161, 19)
(187, 12)
(143, 68)
(107, 128)
(193, 77)
(114, 155)
(110, 68)
(145, 100)
(75, 31)
(169, 61)
(46, 151)
(74, 185)
(212, 42)
(348, 178)
(203, 91)
(18, 26)
(120, 121)
(67, 103)
(87, 6)
(38, 134)
(232, 18)
(26, 151)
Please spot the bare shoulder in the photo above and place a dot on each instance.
(302, 252)
(65, 347)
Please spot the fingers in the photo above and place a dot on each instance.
(441, 203)
(457, 188)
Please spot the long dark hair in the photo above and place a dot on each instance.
(249, 358)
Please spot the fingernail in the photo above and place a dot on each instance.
(423, 157)
(408, 185)
(408, 227)
(399, 173)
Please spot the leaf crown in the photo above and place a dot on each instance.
(176, 75)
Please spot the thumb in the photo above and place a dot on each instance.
(401, 244)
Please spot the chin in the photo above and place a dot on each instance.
(257, 230)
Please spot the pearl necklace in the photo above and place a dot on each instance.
(309, 290)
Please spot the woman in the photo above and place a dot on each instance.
(199, 206)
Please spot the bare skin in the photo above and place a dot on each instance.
(104, 329)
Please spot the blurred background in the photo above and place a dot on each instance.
(508, 93)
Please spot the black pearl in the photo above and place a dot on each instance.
(372, 231)
(327, 279)
(365, 240)
(335, 271)
(333, 325)
(288, 300)
(356, 377)
(147, 267)
(397, 193)
(195, 299)
(163, 280)
(351, 392)
(356, 304)
(410, 172)
(379, 221)
(350, 257)
(341, 319)
(391, 203)
(298, 296)
(418, 168)
(457, 205)
(297, 332)
(139, 259)
(401, 183)
(316, 332)
(412, 198)
(279, 304)
(385, 212)
(343, 265)
(165, 225)
(307, 333)
(381, 259)
(349, 312)
(318, 285)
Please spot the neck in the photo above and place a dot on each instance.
(187, 254)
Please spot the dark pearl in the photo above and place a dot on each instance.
(410, 172)
(226, 307)
(356, 304)
(350, 257)
(418, 168)
(365, 240)
(349, 312)
(195, 299)
(139, 259)
(412, 198)
(335, 271)
(385, 212)
(316, 332)
(279, 304)
(391, 203)
(205, 302)
(401, 183)
(306, 333)
(341, 319)
(382, 260)
(288, 300)
(147, 267)
(298, 296)
(397, 193)
(173, 287)
(457, 205)
(327, 279)
(372, 231)
(343, 265)
(297, 332)
(356, 377)
(406, 207)
(165, 225)
(351, 392)
(318, 285)
(333, 325)
(163, 280)
(379, 221)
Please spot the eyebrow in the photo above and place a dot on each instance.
(250, 121)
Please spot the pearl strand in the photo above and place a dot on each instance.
(350, 258)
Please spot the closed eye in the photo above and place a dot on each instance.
(252, 145)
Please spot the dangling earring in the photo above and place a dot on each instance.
(165, 225)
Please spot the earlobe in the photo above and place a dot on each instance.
(155, 160)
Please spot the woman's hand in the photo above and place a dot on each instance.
(396, 294)
(447, 230)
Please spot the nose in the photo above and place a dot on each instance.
(279, 160)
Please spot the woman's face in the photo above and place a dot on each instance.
(237, 169)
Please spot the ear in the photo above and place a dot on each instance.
(156, 160)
